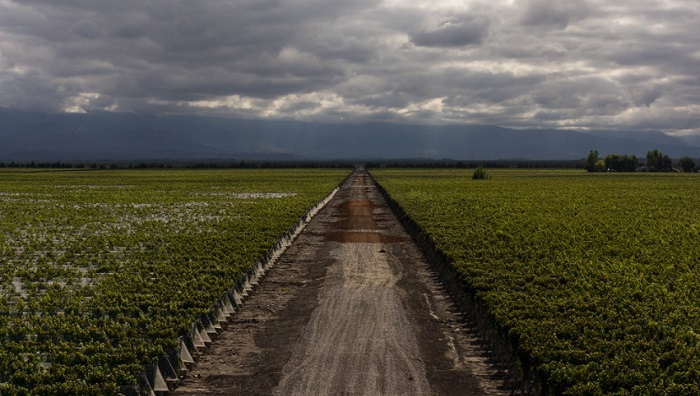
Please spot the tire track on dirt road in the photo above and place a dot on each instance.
(350, 308)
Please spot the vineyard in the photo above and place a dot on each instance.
(102, 271)
(595, 278)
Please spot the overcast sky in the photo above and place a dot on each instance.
(527, 63)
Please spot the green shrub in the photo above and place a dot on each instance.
(480, 174)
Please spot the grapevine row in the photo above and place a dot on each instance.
(102, 272)
(593, 278)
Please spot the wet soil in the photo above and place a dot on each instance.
(352, 307)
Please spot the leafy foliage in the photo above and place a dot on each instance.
(599, 166)
(100, 271)
(598, 278)
(480, 174)
(687, 164)
(658, 162)
(591, 161)
(621, 163)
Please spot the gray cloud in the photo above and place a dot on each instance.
(543, 63)
(453, 32)
(86, 29)
(558, 13)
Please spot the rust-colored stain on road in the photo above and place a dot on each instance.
(356, 222)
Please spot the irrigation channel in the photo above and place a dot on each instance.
(351, 307)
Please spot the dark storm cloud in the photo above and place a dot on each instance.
(453, 32)
(545, 63)
(166, 47)
(28, 91)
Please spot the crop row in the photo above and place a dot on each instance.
(594, 278)
(101, 272)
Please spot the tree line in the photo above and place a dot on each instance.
(252, 164)
(655, 161)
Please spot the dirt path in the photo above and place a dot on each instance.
(350, 308)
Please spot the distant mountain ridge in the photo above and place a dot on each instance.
(26, 136)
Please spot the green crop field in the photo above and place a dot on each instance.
(595, 277)
(102, 270)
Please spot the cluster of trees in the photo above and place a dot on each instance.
(612, 162)
(656, 161)
(688, 164)
(621, 163)
(33, 164)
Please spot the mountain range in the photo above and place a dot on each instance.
(105, 136)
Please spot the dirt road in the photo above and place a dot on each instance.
(351, 308)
